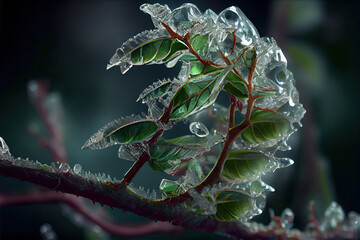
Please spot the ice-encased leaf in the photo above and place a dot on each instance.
(198, 93)
(122, 132)
(169, 188)
(235, 85)
(245, 165)
(168, 154)
(156, 90)
(231, 205)
(123, 57)
(266, 125)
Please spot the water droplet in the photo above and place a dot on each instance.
(198, 129)
(64, 167)
(285, 162)
(77, 169)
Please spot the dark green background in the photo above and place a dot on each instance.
(70, 42)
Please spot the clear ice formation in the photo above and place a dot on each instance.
(272, 82)
(4, 150)
(199, 129)
(101, 140)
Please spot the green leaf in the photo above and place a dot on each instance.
(118, 133)
(156, 90)
(155, 51)
(196, 67)
(198, 93)
(235, 85)
(199, 43)
(177, 48)
(266, 125)
(245, 164)
(231, 205)
(169, 188)
(167, 154)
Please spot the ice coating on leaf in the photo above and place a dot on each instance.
(122, 56)
(175, 155)
(158, 95)
(103, 138)
(4, 150)
(197, 94)
(132, 152)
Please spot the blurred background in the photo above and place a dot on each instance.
(70, 42)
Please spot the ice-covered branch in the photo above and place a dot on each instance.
(120, 198)
(135, 230)
(176, 214)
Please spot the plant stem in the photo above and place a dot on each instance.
(188, 44)
(145, 155)
(214, 176)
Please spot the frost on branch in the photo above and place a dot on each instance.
(220, 166)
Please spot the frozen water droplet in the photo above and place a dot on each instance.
(4, 150)
(64, 167)
(287, 218)
(198, 129)
(285, 162)
(47, 232)
(334, 215)
(77, 169)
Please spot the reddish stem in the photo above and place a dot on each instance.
(188, 44)
(145, 155)
(234, 42)
(232, 111)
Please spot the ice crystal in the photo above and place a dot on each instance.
(4, 150)
(77, 169)
(132, 152)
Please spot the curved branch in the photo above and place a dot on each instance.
(176, 214)
(135, 230)
(165, 211)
